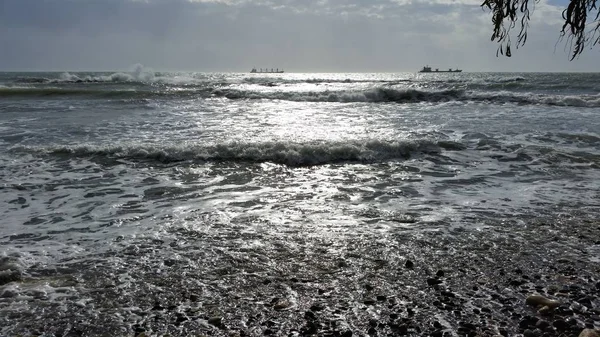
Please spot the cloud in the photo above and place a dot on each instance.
(298, 35)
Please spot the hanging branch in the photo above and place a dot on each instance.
(507, 13)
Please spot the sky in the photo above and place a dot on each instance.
(295, 35)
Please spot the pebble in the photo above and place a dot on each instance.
(309, 315)
(282, 304)
(317, 307)
(528, 333)
(545, 310)
(433, 281)
(560, 325)
(589, 333)
(216, 321)
(467, 325)
(539, 300)
(310, 328)
(542, 324)
(180, 318)
(447, 293)
(527, 322)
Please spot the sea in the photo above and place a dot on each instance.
(128, 193)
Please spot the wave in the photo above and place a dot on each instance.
(376, 94)
(507, 79)
(383, 94)
(127, 78)
(107, 93)
(287, 153)
(581, 138)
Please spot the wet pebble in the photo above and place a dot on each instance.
(542, 324)
(538, 300)
(310, 328)
(560, 325)
(468, 326)
(180, 318)
(216, 321)
(281, 305)
(527, 322)
(433, 281)
(447, 293)
(532, 333)
(437, 333)
(317, 307)
(589, 333)
(399, 329)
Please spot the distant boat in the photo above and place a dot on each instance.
(427, 69)
(266, 71)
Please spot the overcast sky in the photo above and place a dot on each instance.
(297, 35)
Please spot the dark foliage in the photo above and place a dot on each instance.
(581, 27)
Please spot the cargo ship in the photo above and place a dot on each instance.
(427, 69)
(267, 71)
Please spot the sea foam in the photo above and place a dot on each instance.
(288, 153)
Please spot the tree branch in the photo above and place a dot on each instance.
(507, 13)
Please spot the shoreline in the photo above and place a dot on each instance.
(465, 282)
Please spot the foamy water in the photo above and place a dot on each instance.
(117, 175)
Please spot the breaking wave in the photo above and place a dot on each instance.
(83, 92)
(383, 94)
(374, 95)
(287, 153)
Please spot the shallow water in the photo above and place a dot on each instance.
(119, 183)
